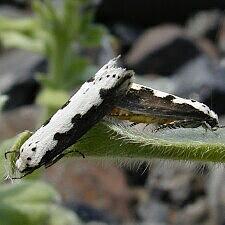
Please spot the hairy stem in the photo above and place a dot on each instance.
(181, 144)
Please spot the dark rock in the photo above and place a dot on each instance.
(204, 81)
(205, 24)
(17, 3)
(161, 50)
(88, 213)
(101, 187)
(177, 185)
(17, 77)
(154, 212)
(137, 176)
(194, 214)
(146, 13)
(14, 10)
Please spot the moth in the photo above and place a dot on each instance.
(89, 105)
(146, 105)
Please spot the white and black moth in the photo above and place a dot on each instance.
(89, 105)
(146, 105)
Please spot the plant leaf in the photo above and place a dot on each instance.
(125, 142)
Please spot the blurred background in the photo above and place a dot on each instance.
(49, 48)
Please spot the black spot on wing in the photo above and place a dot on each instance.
(169, 98)
(193, 100)
(82, 123)
(65, 104)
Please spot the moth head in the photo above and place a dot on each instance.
(27, 159)
(214, 122)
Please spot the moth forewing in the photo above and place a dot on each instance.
(146, 105)
(89, 105)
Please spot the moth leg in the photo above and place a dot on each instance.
(180, 124)
(24, 175)
(61, 156)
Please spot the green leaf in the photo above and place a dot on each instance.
(23, 25)
(62, 216)
(27, 192)
(92, 36)
(7, 167)
(52, 98)
(32, 203)
(12, 39)
(123, 142)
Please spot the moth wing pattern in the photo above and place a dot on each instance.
(161, 107)
(84, 109)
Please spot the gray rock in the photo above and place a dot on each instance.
(205, 24)
(154, 212)
(18, 120)
(160, 50)
(17, 77)
(194, 214)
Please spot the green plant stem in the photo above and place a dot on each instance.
(103, 142)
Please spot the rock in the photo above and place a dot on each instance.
(137, 176)
(215, 195)
(11, 11)
(205, 24)
(89, 214)
(146, 13)
(160, 50)
(97, 186)
(221, 37)
(177, 184)
(17, 77)
(202, 80)
(194, 214)
(154, 212)
(18, 120)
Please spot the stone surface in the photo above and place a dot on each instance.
(205, 24)
(17, 77)
(160, 50)
(18, 120)
(99, 186)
